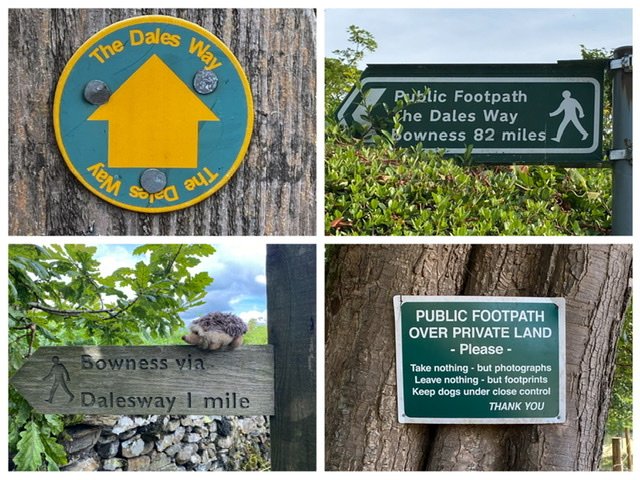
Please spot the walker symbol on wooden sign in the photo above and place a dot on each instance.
(156, 98)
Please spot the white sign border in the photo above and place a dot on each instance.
(483, 151)
(398, 300)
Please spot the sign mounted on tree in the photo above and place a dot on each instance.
(521, 113)
(153, 114)
(480, 359)
(176, 380)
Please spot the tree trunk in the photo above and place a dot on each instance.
(362, 432)
(273, 191)
(360, 369)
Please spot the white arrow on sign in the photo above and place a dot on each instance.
(370, 98)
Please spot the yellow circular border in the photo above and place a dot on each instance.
(137, 21)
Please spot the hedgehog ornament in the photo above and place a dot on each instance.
(216, 330)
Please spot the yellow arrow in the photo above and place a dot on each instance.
(153, 120)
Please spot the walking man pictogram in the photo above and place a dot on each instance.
(569, 106)
(60, 378)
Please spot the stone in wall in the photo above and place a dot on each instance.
(169, 443)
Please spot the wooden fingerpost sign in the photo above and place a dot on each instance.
(163, 380)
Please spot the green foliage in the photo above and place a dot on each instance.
(60, 292)
(362, 42)
(607, 113)
(256, 334)
(33, 436)
(595, 53)
(390, 191)
(30, 448)
(58, 296)
(621, 408)
(251, 459)
(339, 78)
(342, 72)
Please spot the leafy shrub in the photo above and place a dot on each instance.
(58, 296)
(381, 190)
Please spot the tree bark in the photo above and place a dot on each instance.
(360, 366)
(273, 191)
(362, 432)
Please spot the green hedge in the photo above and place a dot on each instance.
(381, 190)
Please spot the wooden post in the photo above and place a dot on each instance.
(629, 448)
(616, 454)
(291, 312)
(273, 191)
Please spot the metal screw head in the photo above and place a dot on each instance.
(96, 92)
(205, 81)
(153, 180)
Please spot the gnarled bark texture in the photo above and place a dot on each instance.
(361, 410)
(273, 191)
(362, 431)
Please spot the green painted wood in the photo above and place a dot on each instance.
(177, 380)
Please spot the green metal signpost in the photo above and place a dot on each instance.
(480, 359)
(621, 154)
(521, 113)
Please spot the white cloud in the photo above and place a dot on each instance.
(237, 300)
(238, 270)
(229, 255)
(113, 257)
(260, 316)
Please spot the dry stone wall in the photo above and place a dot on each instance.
(169, 443)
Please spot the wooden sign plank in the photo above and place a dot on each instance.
(177, 380)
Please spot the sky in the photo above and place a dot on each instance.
(480, 35)
(238, 272)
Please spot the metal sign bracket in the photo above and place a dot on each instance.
(625, 63)
(621, 154)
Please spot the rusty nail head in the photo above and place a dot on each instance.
(96, 92)
(205, 81)
(153, 180)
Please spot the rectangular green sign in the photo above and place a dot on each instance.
(480, 359)
(522, 113)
